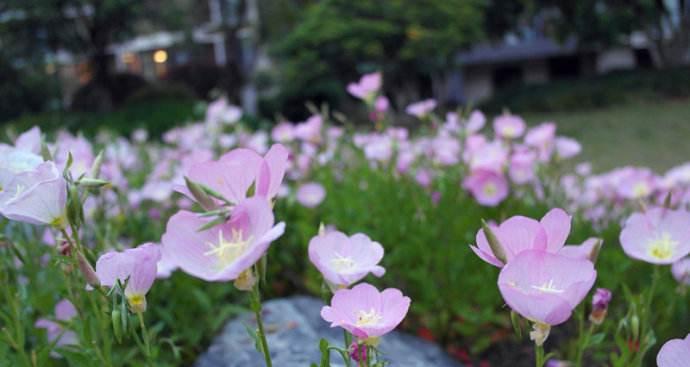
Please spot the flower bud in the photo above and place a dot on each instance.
(635, 327)
(116, 320)
(600, 305)
(87, 271)
(358, 352)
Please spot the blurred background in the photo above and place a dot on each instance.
(623, 64)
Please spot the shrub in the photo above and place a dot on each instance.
(593, 92)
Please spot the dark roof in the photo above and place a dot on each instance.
(539, 48)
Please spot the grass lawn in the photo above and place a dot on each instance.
(656, 135)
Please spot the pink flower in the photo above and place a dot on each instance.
(166, 265)
(284, 132)
(488, 187)
(584, 251)
(567, 147)
(80, 149)
(136, 266)
(236, 171)
(518, 234)
(475, 122)
(545, 288)
(29, 141)
(310, 130)
(222, 112)
(509, 126)
(681, 271)
(14, 161)
(311, 194)
(223, 252)
(64, 312)
(674, 353)
(637, 183)
(422, 108)
(365, 312)
(424, 177)
(522, 167)
(367, 87)
(344, 260)
(541, 137)
(491, 156)
(381, 104)
(658, 236)
(37, 196)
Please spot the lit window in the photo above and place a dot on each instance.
(160, 56)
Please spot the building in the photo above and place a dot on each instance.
(486, 68)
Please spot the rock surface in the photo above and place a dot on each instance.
(294, 328)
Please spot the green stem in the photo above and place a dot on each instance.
(145, 336)
(368, 355)
(261, 334)
(539, 355)
(348, 340)
(583, 344)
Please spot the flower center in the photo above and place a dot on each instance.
(548, 287)
(490, 189)
(640, 190)
(226, 251)
(370, 318)
(662, 248)
(342, 263)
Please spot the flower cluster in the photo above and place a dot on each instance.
(540, 278)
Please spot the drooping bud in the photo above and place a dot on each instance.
(539, 334)
(600, 305)
(87, 271)
(495, 245)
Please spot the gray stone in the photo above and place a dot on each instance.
(294, 328)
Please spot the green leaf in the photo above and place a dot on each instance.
(597, 338)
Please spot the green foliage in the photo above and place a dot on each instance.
(336, 40)
(157, 115)
(594, 92)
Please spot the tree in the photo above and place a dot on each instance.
(84, 27)
(412, 42)
(665, 23)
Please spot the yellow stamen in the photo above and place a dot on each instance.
(228, 251)
(663, 247)
(370, 318)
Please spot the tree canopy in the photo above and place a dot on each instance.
(336, 40)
